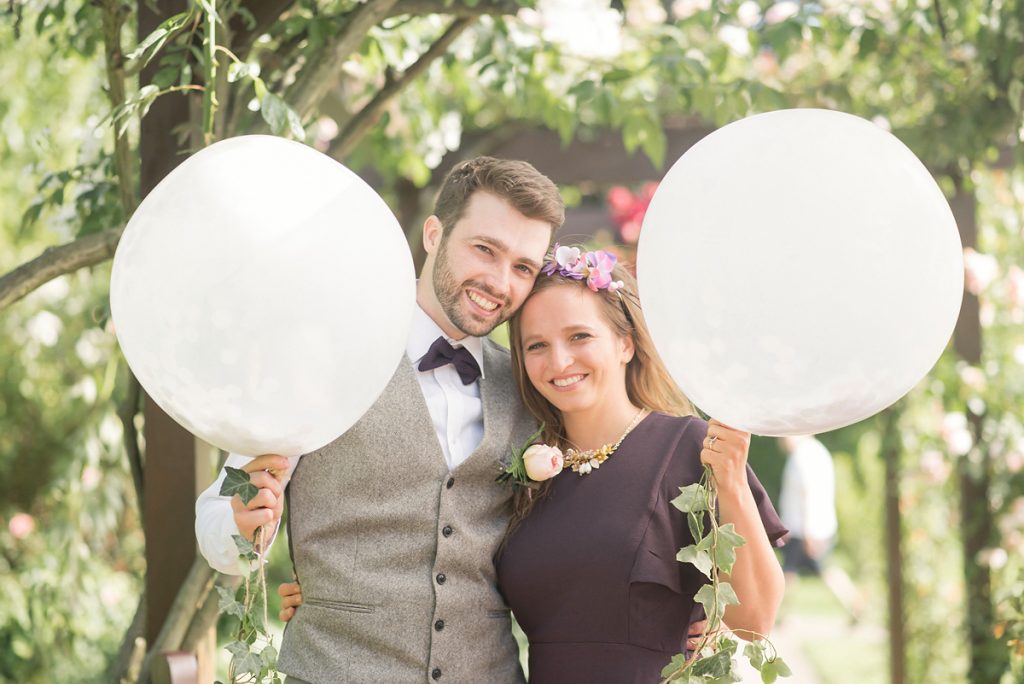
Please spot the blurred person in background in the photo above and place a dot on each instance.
(807, 506)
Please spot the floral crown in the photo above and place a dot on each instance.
(594, 267)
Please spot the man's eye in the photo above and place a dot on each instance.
(484, 248)
(525, 269)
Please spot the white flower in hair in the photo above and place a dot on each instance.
(566, 257)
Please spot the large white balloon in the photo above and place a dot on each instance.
(800, 271)
(262, 294)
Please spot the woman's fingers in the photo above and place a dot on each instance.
(291, 596)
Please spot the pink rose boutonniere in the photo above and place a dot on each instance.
(532, 464)
(542, 462)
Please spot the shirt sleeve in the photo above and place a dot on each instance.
(773, 527)
(215, 521)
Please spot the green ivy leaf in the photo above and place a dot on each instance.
(695, 521)
(773, 669)
(237, 482)
(725, 550)
(227, 603)
(712, 608)
(245, 547)
(248, 664)
(699, 558)
(715, 666)
(237, 649)
(754, 652)
(677, 662)
(269, 656)
(692, 499)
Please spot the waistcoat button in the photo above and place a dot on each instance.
(441, 578)
(451, 482)
(436, 674)
(439, 625)
(447, 531)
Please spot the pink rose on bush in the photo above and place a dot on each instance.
(542, 462)
(21, 525)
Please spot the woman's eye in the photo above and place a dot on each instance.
(580, 336)
(535, 346)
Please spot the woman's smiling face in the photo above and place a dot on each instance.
(571, 354)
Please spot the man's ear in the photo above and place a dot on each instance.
(432, 232)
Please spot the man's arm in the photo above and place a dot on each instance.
(219, 517)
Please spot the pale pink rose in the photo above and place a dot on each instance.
(21, 525)
(979, 270)
(90, 476)
(542, 462)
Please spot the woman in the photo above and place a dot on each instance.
(589, 566)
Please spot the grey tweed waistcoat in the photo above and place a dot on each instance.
(395, 553)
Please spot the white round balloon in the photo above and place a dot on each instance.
(800, 271)
(262, 294)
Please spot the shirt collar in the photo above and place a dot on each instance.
(425, 331)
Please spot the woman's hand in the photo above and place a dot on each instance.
(291, 596)
(725, 450)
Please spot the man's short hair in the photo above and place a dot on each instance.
(529, 191)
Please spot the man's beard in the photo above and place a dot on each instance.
(450, 294)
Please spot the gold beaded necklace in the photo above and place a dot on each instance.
(583, 462)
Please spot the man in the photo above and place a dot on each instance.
(394, 525)
(807, 506)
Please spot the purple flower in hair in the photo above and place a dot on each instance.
(600, 265)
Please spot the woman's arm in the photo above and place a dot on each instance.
(756, 576)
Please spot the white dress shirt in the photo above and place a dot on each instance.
(807, 503)
(456, 411)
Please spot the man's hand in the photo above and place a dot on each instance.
(267, 473)
(693, 638)
(291, 596)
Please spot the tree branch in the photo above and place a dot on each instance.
(938, 18)
(206, 617)
(133, 647)
(321, 73)
(114, 15)
(366, 117)
(265, 15)
(190, 599)
(126, 412)
(56, 261)
(459, 9)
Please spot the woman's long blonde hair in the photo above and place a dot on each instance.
(648, 383)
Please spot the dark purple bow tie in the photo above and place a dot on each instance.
(441, 353)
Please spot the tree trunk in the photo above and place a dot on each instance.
(169, 477)
(988, 657)
(891, 454)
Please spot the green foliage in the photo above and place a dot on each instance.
(712, 554)
(253, 655)
(236, 481)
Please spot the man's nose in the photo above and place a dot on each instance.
(499, 281)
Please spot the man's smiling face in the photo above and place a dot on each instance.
(484, 265)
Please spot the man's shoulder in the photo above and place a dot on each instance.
(496, 357)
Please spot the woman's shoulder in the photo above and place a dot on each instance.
(679, 439)
(684, 428)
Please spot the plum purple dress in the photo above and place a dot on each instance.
(591, 574)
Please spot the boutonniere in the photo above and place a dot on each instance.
(532, 463)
